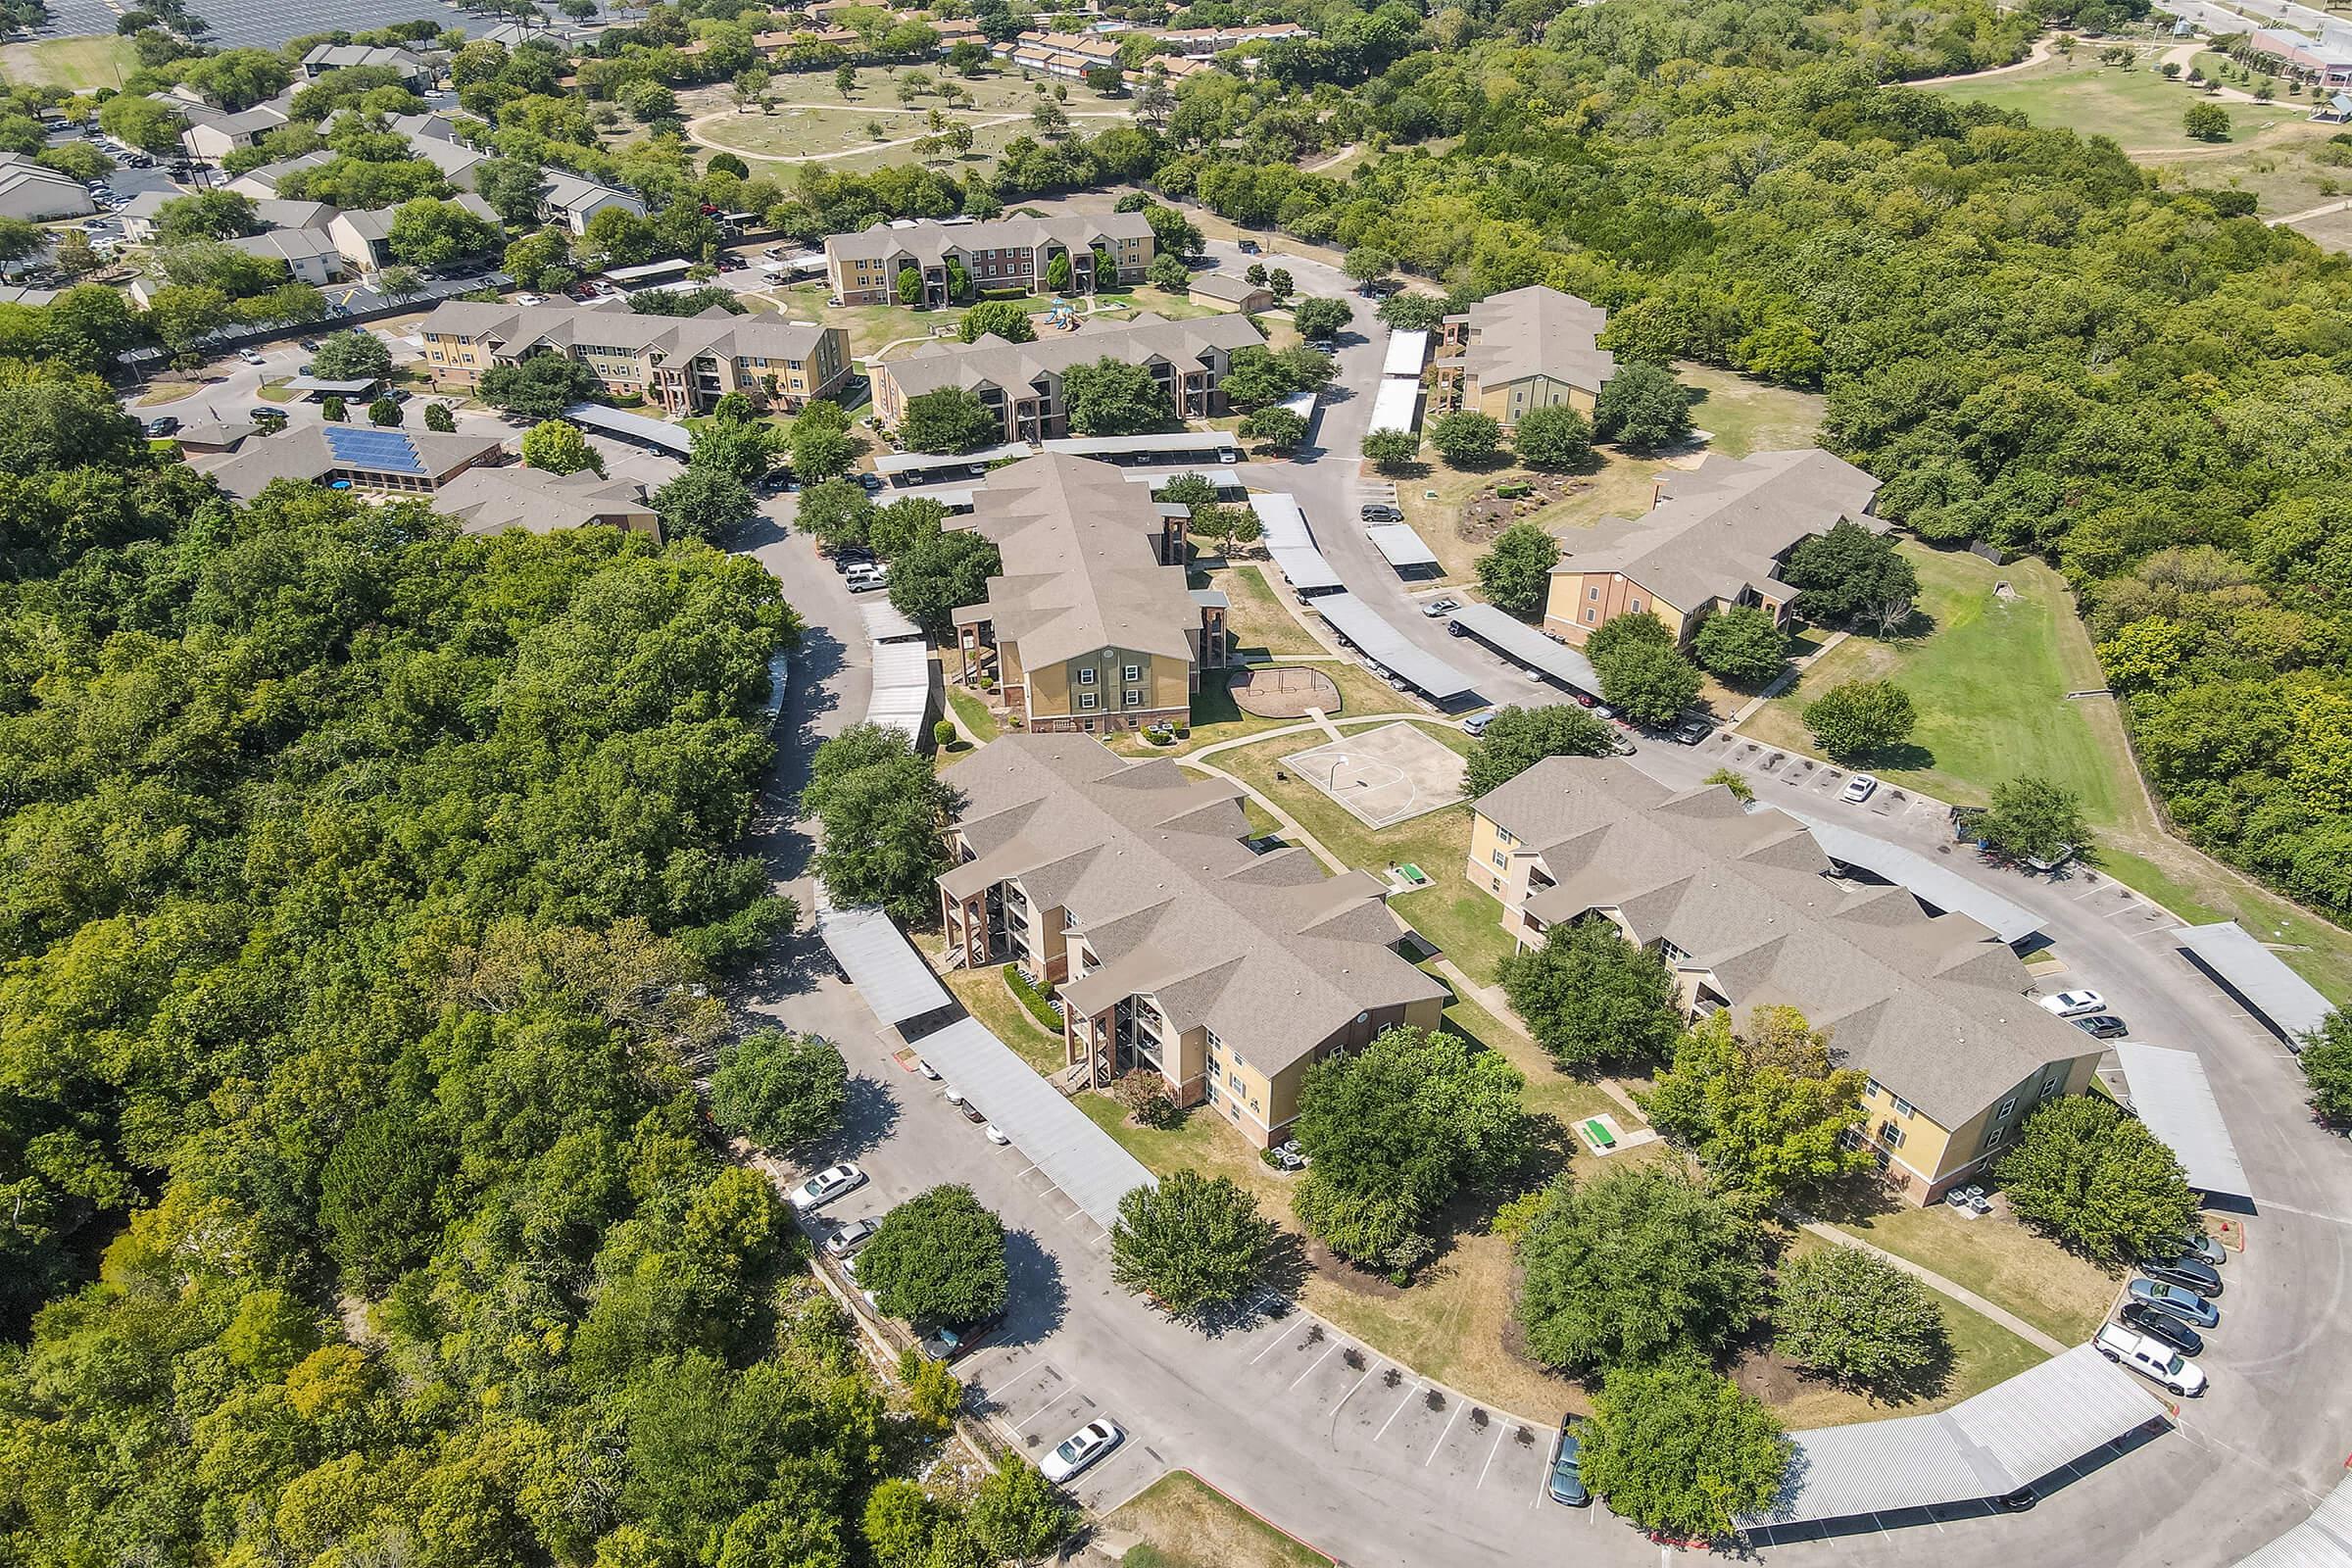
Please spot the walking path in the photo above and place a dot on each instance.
(1938, 1281)
(2042, 50)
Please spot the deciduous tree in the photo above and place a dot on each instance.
(1515, 572)
(949, 419)
(1466, 438)
(1744, 645)
(1554, 436)
(881, 808)
(1195, 1242)
(1858, 718)
(2097, 1179)
(2034, 819)
(1516, 739)
(937, 1260)
(782, 1091)
(1678, 1449)
(1587, 996)
(556, 446)
(1858, 1318)
(1641, 408)
(1764, 1113)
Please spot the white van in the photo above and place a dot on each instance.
(2152, 1359)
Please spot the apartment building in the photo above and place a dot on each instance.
(1021, 384)
(327, 57)
(1179, 951)
(365, 238)
(1714, 537)
(309, 255)
(1531, 348)
(1090, 626)
(679, 366)
(1006, 252)
(37, 193)
(1198, 43)
(1748, 910)
(573, 199)
(499, 500)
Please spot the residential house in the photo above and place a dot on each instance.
(1717, 536)
(214, 133)
(327, 57)
(1531, 348)
(37, 194)
(357, 456)
(573, 199)
(1011, 254)
(1749, 912)
(1088, 625)
(262, 183)
(1177, 950)
(365, 237)
(458, 163)
(1021, 384)
(310, 254)
(497, 500)
(679, 366)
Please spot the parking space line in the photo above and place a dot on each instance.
(1318, 1361)
(1350, 1395)
(1441, 1437)
(1501, 1429)
(1399, 1410)
(1043, 1409)
(1274, 1342)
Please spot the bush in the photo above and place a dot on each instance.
(1037, 1002)
(1856, 718)
(943, 734)
(2097, 1179)
(1858, 1318)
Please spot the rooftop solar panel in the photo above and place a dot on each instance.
(383, 451)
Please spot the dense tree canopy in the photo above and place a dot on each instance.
(2097, 1179)
(1764, 1111)
(882, 809)
(1516, 739)
(937, 1260)
(1680, 1449)
(1589, 996)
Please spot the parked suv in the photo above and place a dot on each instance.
(2163, 1326)
(2189, 1273)
(1381, 512)
(2159, 1362)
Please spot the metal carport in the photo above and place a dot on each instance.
(2171, 1095)
(1081, 1159)
(670, 438)
(900, 695)
(1396, 405)
(1403, 547)
(1292, 544)
(1940, 885)
(1387, 647)
(881, 963)
(2257, 977)
(2323, 1540)
(1521, 644)
(886, 622)
(1997, 1442)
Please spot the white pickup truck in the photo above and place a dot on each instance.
(2152, 1359)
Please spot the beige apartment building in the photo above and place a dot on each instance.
(1090, 626)
(1714, 537)
(1748, 910)
(1531, 348)
(1004, 253)
(679, 366)
(1021, 384)
(1179, 951)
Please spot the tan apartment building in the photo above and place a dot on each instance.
(1714, 537)
(1748, 910)
(1179, 951)
(1090, 626)
(1021, 384)
(1531, 348)
(1004, 253)
(679, 366)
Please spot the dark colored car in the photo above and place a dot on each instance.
(2101, 1026)
(2188, 1272)
(2162, 1325)
(1567, 1482)
(1692, 732)
(955, 1341)
(162, 425)
(851, 555)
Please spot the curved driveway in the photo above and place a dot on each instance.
(2245, 1463)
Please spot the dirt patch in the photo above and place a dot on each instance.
(1487, 513)
(1768, 1378)
(1329, 1266)
(1283, 692)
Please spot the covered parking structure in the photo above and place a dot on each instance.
(901, 695)
(1292, 544)
(2171, 1095)
(1396, 405)
(1939, 886)
(1994, 1446)
(2323, 1540)
(1388, 648)
(620, 424)
(1527, 648)
(904, 469)
(1403, 549)
(1081, 1159)
(1168, 447)
(889, 974)
(2234, 959)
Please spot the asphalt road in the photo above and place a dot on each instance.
(1310, 1431)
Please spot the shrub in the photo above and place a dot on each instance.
(1038, 1003)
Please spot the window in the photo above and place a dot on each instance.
(1588, 617)
(1870, 1086)
(1086, 677)
(2007, 1105)
(1592, 594)
(1133, 698)
(1902, 1106)
(1636, 606)
(1132, 672)
(1891, 1134)
(1234, 1078)
(1502, 861)
(1086, 700)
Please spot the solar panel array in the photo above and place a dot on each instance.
(379, 451)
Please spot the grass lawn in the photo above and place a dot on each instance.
(2138, 107)
(870, 326)
(1990, 682)
(974, 713)
(1433, 500)
(1203, 1142)
(1464, 921)
(1185, 1523)
(1983, 1353)
(986, 998)
(1125, 305)
(2000, 1260)
(79, 63)
(1745, 415)
(1260, 622)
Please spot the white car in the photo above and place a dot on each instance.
(249, 356)
(2073, 1004)
(1081, 1448)
(531, 299)
(866, 579)
(826, 1186)
(995, 1135)
(1861, 787)
(926, 1069)
(2151, 1359)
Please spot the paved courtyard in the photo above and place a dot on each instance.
(1384, 776)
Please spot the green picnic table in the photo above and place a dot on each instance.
(1598, 1130)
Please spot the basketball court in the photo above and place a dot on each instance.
(1384, 776)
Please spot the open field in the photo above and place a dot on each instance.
(2000, 1260)
(1745, 415)
(812, 120)
(1989, 679)
(2137, 108)
(1185, 1523)
(79, 62)
(875, 92)
(1260, 619)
